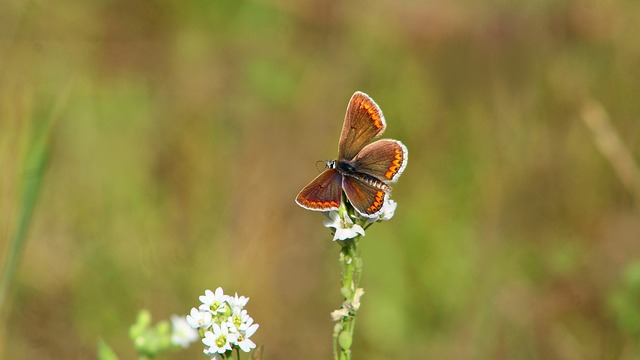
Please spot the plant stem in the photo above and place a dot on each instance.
(351, 273)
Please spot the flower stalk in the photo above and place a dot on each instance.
(349, 227)
(351, 264)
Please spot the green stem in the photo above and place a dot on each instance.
(336, 347)
(351, 274)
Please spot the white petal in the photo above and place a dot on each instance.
(209, 339)
(334, 220)
(348, 221)
(219, 293)
(206, 298)
(348, 233)
(339, 314)
(251, 330)
(246, 345)
(192, 319)
(232, 337)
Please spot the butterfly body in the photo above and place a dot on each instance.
(345, 168)
(364, 169)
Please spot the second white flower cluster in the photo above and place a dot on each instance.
(223, 323)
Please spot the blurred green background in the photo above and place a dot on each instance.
(181, 131)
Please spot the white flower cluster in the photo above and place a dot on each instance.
(223, 323)
(347, 229)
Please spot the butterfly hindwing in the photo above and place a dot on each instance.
(363, 122)
(385, 159)
(365, 193)
(324, 193)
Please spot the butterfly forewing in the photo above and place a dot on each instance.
(384, 159)
(363, 122)
(365, 193)
(324, 193)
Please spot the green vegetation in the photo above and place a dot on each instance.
(178, 134)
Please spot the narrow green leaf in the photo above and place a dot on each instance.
(105, 352)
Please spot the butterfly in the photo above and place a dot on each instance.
(364, 169)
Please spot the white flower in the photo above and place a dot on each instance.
(243, 340)
(235, 301)
(339, 314)
(242, 324)
(182, 333)
(345, 228)
(218, 340)
(355, 304)
(222, 332)
(388, 210)
(199, 319)
(214, 302)
(348, 307)
(239, 320)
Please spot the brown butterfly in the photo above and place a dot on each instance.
(363, 170)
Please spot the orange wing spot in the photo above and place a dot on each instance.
(393, 169)
(377, 202)
(375, 118)
(321, 204)
(372, 113)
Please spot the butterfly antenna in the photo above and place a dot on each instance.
(321, 162)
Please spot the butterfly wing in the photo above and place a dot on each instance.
(365, 193)
(385, 159)
(362, 122)
(324, 193)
